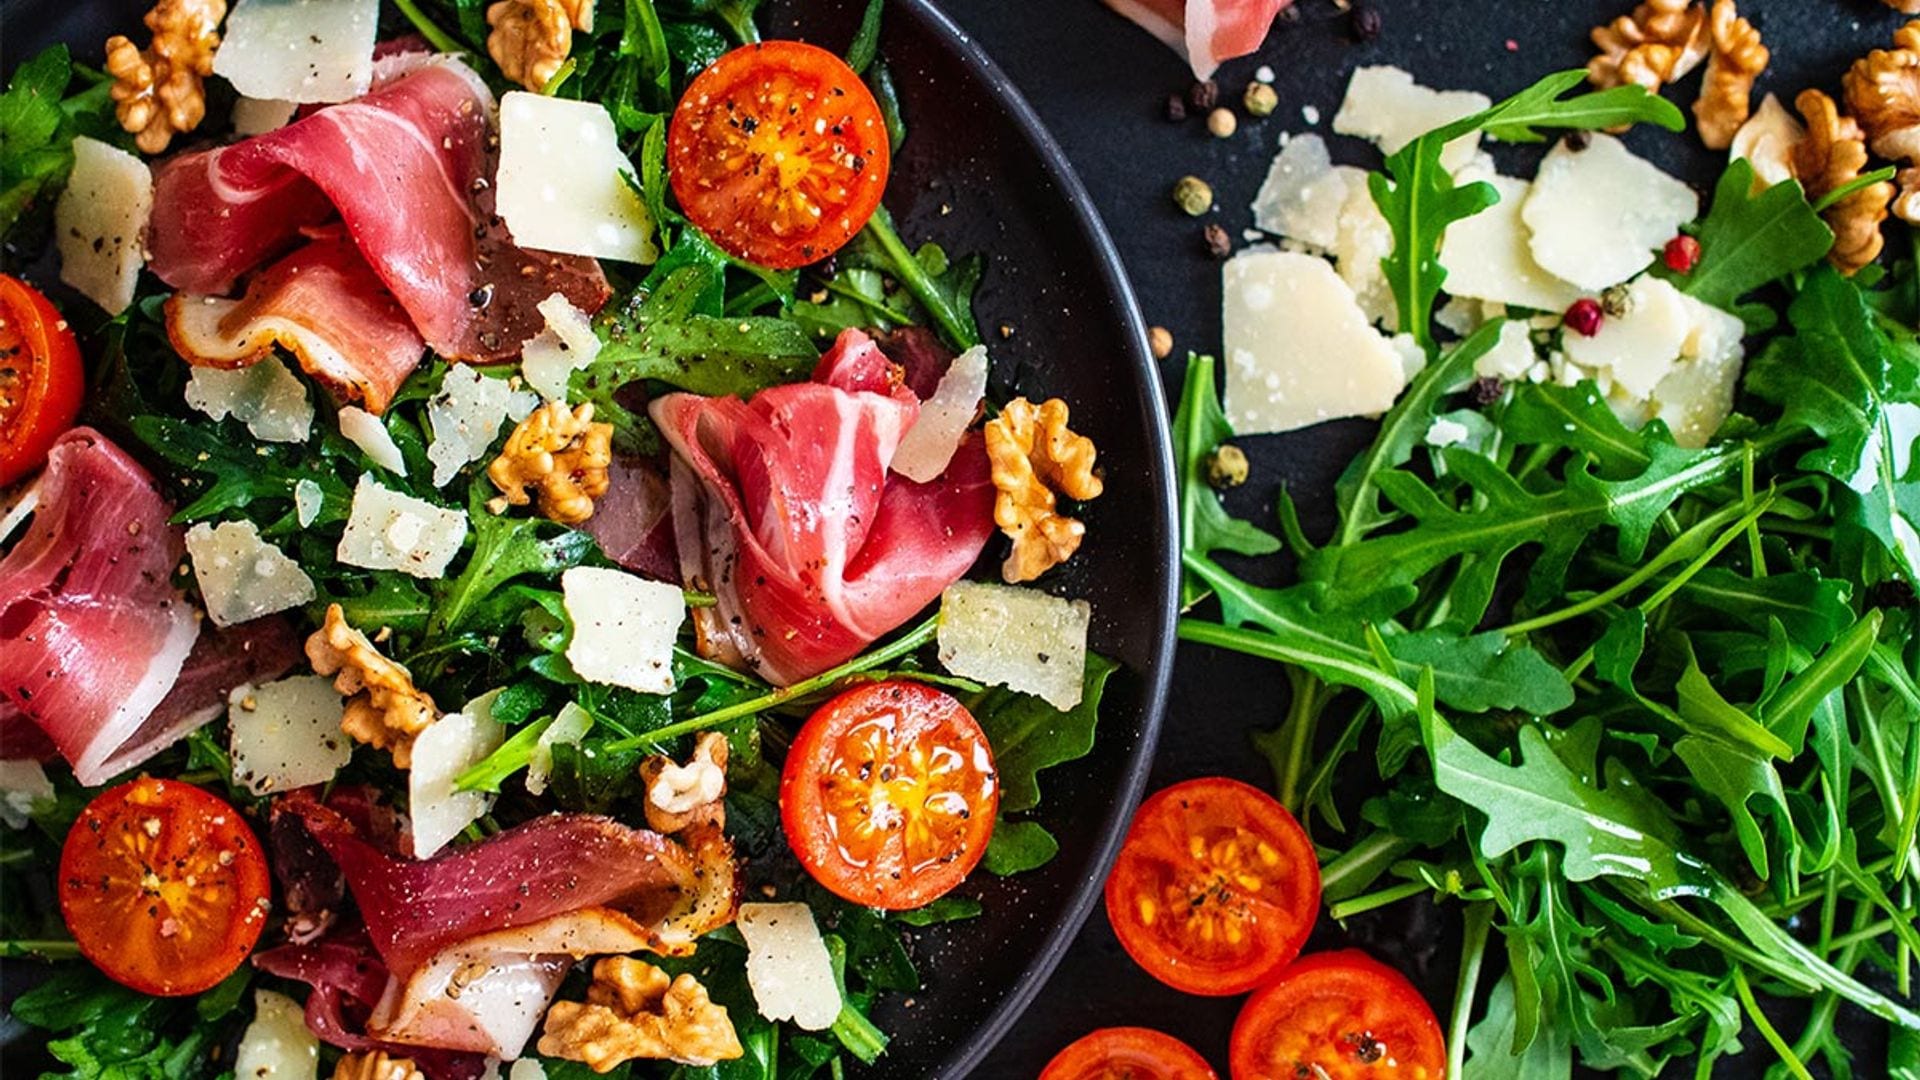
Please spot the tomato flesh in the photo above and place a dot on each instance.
(40, 378)
(1216, 887)
(888, 794)
(1340, 1016)
(778, 152)
(1127, 1053)
(163, 886)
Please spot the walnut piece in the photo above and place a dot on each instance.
(1904, 7)
(680, 796)
(376, 1065)
(384, 709)
(1726, 95)
(633, 1010)
(530, 39)
(1034, 454)
(1659, 43)
(158, 91)
(1883, 94)
(1833, 154)
(563, 454)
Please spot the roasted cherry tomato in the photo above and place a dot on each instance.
(163, 886)
(1127, 1053)
(40, 378)
(889, 793)
(1342, 1016)
(1216, 887)
(778, 151)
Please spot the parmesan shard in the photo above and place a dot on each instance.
(563, 185)
(387, 530)
(277, 1044)
(100, 223)
(1668, 357)
(1511, 355)
(1384, 104)
(1639, 347)
(366, 431)
(286, 734)
(944, 418)
(241, 576)
(300, 51)
(1596, 216)
(1017, 637)
(465, 417)
(1489, 256)
(788, 967)
(1326, 209)
(624, 627)
(568, 727)
(24, 787)
(446, 748)
(566, 345)
(308, 499)
(265, 396)
(1299, 348)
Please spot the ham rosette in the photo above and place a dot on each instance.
(785, 510)
(1206, 32)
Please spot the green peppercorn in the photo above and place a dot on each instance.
(1261, 99)
(1227, 466)
(1193, 195)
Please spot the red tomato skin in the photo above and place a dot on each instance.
(53, 384)
(1156, 845)
(1128, 1053)
(732, 154)
(134, 866)
(1385, 1007)
(808, 784)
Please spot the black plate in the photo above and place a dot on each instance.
(979, 173)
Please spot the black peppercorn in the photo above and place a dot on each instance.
(1176, 108)
(1219, 244)
(1891, 594)
(1203, 95)
(1486, 390)
(1366, 23)
(1578, 140)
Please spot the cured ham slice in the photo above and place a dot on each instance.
(633, 522)
(95, 633)
(323, 304)
(785, 511)
(1206, 32)
(407, 170)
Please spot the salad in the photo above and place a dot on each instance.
(488, 561)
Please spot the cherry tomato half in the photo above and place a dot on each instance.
(1127, 1053)
(163, 886)
(40, 378)
(778, 151)
(889, 793)
(1340, 1015)
(1216, 887)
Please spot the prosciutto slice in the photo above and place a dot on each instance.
(1205, 32)
(406, 168)
(784, 509)
(93, 635)
(633, 522)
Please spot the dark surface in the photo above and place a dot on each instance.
(1101, 85)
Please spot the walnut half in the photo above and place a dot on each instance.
(1883, 93)
(1659, 43)
(1833, 155)
(680, 796)
(376, 1065)
(384, 709)
(635, 1011)
(158, 91)
(530, 39)
(1726, 96)
(1034, 454)
(560, 452)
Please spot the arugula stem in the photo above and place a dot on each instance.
(1360, 865)
(1360, 905)
(1755, 554)
(1303, 712)
(957, 327)
(1765, 1026)
(48, 949)
(1478, 921)
(435, 36)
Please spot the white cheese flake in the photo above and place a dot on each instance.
(265, 396)
(100, 223)
(1489, 256)
(569, 726)
(448, 747)
(1637, 348)
(563, 185)
(566, 345)
(1596, 216)
(300, 51)
(277, 1044)
(788, 967)
(242, 576)
(1511, 355)
(307, 501)
(24, 786)
(1667, 356)
(624, 627)
(1444, 432)
(387, 530)
(1385, 105)
(1304, 192)
(366, 431)
(930, 443)
(286, 734)
(465, 417)
(1016, 637)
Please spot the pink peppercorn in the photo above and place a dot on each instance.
(1584, 317)
(1682, 253)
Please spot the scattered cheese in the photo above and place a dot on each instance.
(569, 727)
(563, 185)
(446, 748)
(623, 628)
(1462, 315)
(1767, 140)
(366, 431)
(265, 396)
(100, 223)
(24, 785)
(1363, 239)
(1668, 356)
(307, 501)
(390, 531)
(257, 116)
(1510, 356)
(1444, 432)
(1016, 637)
(286, 734)
(1696, 397)
(1385, 105)
(566, 345)
(930, 443)
(1489, 255)
(465, 417)
(788, 967)
(1597, 215)
(527, 1068)
(1639, 346)
(1304, 192)
(277, 1044)
(241, 576)
(1299, 348)
(299, 50)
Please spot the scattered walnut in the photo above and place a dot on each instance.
(1832, 155)
(1659, 43)
(1883, 93)
(633, 1010)
(1904, 7)
(376, 1065)
(384, 709)
(1726, 95)
(562, 453)
(679, 796)
(531, 38)
(157, 92)
(1035, 454)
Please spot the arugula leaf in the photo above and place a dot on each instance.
(1736, 775)
(1028, 735)
(1492, 1043)
(866, 40)
(1017, 847)
(946, 909)
(38, 122)
(504, 547)
(1200, 427)
(1576, 418)
(1482, 672)
(1748, 240)
(943, 288)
